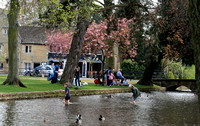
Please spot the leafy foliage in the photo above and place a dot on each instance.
(63, 14)
(178, 70)
(130, 66)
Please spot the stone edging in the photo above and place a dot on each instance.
(48, 94)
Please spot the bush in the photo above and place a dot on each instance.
(129, 67)
(170, 75)
(189, 72)
(179, 71)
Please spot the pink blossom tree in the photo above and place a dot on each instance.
(97, 40)
(59, 42)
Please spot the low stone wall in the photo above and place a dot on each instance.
(49, 94)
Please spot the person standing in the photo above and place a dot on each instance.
(67, 94)
(105, 78)
(135, 92)
(56, 68)
(119, 76)
(107, 73)
(77, 76)
(43, 71)
(111, 77)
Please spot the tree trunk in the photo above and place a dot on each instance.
(13, 78)
(102, 68)
(149, 69)
(91, 70)
(194, 11)
(75, 51)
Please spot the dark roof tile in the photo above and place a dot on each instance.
(32, 35)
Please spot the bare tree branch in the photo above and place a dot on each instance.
(100, 2)
(122, 5)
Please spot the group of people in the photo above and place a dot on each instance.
(112, 78)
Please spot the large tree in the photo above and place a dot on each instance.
(13, 78)
(71, 15)
(169, 36)
(77, 41)
(194, 11)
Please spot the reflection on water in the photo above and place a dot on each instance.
(151, 109)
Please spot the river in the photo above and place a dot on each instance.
(151, 109)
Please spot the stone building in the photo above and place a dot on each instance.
(32, 47)
(3, 41)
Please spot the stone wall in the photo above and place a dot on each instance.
(48, 94)
(38, 54)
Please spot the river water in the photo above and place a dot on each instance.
(151, 109)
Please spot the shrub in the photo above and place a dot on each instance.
(129, 67)
(170, 75)
(178, 70)
(189, 72)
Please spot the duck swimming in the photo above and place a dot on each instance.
(101, 118)
(46, 120)
(78, 118)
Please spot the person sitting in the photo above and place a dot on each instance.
(119, 75)
(114, 83)
(96, 81)
(125, 83)
(118, 82)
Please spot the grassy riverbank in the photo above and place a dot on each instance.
(41, 84)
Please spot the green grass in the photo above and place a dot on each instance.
(33, 84)
(41, 84)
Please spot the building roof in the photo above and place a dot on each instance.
(93, 59)
(32, 35)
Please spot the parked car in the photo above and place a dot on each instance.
(38, 70)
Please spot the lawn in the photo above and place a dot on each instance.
(41, 84)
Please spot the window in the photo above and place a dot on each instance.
(48, 68)
(5, 31)
(1, 66)
(28, 49)
(27, 66)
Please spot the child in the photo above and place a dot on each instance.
(105, 77)
(111, 77)
(135, 92)
(114, 83)
(125, 83)
(67, 94)
(118, 82)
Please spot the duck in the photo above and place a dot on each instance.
(78, 118)
(109, 96)
(46, 120)
(101, 118)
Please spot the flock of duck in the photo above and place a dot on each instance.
(79, 117)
